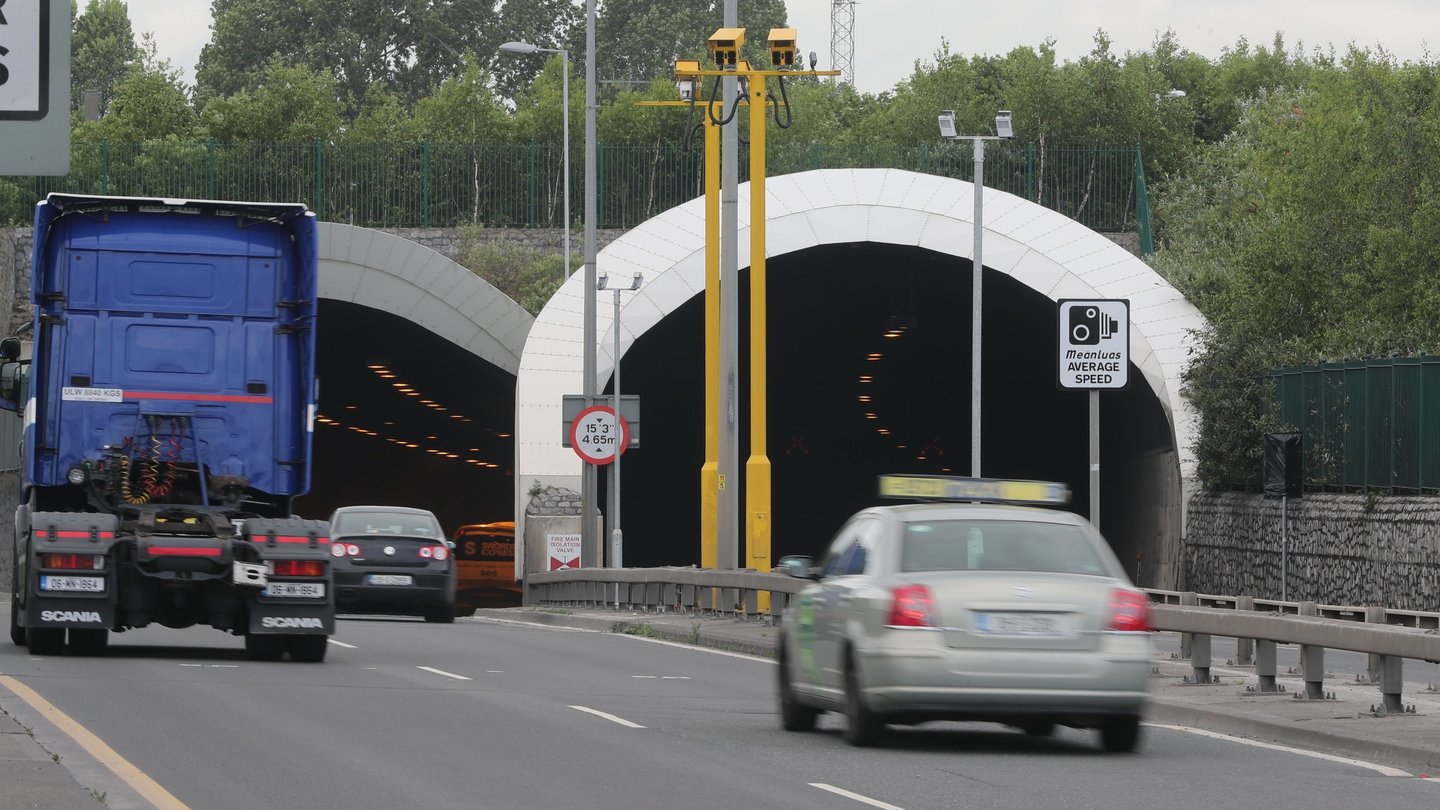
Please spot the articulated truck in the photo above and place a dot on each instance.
(167, 392)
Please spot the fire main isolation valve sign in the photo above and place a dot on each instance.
(1094, 344)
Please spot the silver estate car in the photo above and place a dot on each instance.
(979, 611)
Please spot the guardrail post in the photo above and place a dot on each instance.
(1265, 665)
(1312, 660)
(1191, 599)
(1200, 658)
(1373, 662)
(1391, 682)
(752, 602)
(1244, 647)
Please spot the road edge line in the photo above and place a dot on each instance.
(131, 775)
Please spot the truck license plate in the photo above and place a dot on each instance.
(81, 584)
(304, 590)
(390, 579)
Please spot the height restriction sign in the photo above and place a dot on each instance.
(1094, 343)
(595, 436)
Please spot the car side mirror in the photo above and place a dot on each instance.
(798, 566)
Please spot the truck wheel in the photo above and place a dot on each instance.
(264, 648)
(17, 633)
(308, 649)
(46, 640)
(89, 642)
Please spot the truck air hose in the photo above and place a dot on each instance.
(125, 483)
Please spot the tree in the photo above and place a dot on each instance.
(644, 37)
(291, 103)
(103, 51)
(405, 44)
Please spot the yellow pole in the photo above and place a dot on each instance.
(710, 483)
(757, 467)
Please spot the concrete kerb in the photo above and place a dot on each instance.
(1315, 726)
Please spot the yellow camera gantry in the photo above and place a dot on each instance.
(725, 45)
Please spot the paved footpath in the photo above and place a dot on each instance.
(41, 768)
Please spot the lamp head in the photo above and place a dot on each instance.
(519, 47)
(947, 123)
(1002, 124)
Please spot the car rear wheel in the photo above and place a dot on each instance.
(89, 641)
(264, 648)
(862, 727)
(308, 649)
(444, 614)
(1038, 728)
(45, 640)
(1120, 735)
(794, 716)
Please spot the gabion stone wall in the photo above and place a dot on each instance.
(1339, 549)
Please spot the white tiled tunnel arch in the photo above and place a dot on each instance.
(1038, 247)
(395, 275)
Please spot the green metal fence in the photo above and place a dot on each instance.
(1367, 424)
(521, 185)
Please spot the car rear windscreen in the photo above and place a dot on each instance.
(388, 524)
(998, 545)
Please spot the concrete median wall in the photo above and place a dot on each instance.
(1337, 549)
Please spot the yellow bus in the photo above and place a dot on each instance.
(485, 566)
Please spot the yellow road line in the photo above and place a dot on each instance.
(96, 747)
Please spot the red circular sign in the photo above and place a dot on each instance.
(592, 435)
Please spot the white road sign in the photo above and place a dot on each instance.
(34, 87)
(595, 436)
(1094, 343)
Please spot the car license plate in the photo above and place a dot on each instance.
(390, 579)
(81, 584)
(1020, 624)
(304, 590)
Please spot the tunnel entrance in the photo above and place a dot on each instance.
(869, 373)
(407, 418)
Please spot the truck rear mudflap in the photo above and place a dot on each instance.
(67, 581)
(290, 593)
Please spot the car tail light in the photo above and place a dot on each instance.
(911, 607)
(73, 562)
(337, 550)
(299, 568)
(1129, 612)
(435, 553)
(351, 550)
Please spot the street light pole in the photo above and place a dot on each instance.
(617, 545)
(528, 48)
(1003, 132)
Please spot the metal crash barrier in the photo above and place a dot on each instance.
(1388, 636)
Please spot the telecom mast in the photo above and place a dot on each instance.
(842, 39)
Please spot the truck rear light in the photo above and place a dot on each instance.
(911, 607)
(1129, 612)
(73, 562)
(441, 553)
(299, 568)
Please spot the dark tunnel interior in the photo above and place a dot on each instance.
(408, 419)
(438, 434)
(838, 419)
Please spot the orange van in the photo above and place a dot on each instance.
(485, 566)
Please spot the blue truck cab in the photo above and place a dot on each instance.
(168, 403)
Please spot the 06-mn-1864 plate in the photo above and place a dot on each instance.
(304, 590)
(53, 583)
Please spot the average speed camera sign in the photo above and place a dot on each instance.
(1094, 343)
(595, 436)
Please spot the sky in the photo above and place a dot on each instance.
(890, 35)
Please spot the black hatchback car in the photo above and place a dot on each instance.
(393, 560)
